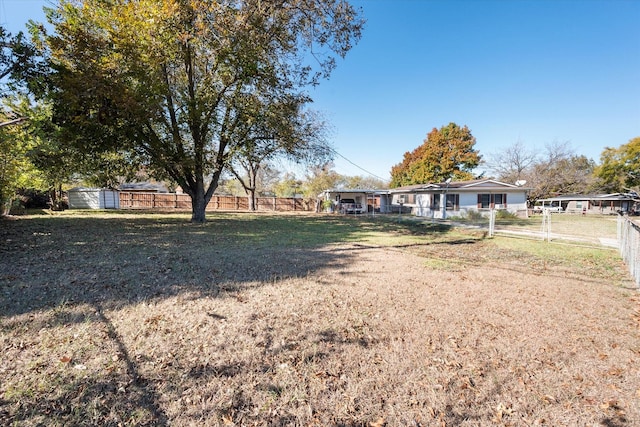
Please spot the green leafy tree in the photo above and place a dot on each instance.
(619, 168)
(283, 130)
(288, 186)
(179, 82)
(18, 61)
(16, 169)
(365, 182)
(446, 153)
(322, 178)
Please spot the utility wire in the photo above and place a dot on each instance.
(358, 166)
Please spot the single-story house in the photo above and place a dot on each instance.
(594, 204)
(446, 199)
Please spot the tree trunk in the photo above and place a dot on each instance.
(253, 178)
(251, 198)
(198, 206)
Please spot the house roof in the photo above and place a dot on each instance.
(350, 190)
(143, 186)
(570, 197)
(471, 185)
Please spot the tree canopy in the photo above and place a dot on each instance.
(619, 169)
(447, 152)
(554, 171)
(191, 85)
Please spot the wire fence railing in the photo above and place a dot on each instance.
(629, 241)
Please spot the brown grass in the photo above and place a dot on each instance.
(308, 320)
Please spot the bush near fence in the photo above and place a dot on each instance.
(629, 240)
(141, 200)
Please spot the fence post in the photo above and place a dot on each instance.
(492, 222)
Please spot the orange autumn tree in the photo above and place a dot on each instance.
(446, 153)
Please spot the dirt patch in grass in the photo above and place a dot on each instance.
(311, 320)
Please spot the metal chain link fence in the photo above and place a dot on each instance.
(629, 241)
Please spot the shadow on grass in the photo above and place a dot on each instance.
(55, 263)
(118, 260)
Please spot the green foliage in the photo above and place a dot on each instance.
(288, 186)
(474, 215)
(504, 214)
(21, 66)
(322, 178)
(194, 86)
(16, 169)
(620, 167)
(446, 153)
(364, 182)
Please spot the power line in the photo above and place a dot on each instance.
(358, 166)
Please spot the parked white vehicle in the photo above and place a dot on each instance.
(549, 208)
(350, 206)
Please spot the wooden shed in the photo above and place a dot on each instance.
(93, 198)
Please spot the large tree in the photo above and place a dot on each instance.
(184, 83)
(620, 167)
(447, 152)
(572, 174)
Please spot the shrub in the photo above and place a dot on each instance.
(474, 215)
(32, 198)
(503, 214)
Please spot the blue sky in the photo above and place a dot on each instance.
(535, 71)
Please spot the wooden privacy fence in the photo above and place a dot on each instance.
(629, 241)
(142, 200)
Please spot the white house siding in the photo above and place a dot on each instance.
(468, 201)
(423, 205)
(93, 198)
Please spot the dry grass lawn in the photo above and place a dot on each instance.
(146, 320)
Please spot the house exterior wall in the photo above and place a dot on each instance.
(468, 201)
(93, 198)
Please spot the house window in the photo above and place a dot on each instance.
(453, 202)
(484, 201)
(435, 202)
(489, 201)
